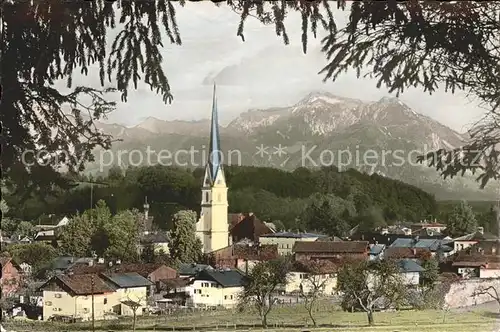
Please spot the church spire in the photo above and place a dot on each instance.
(214, 158)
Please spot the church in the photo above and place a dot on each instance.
(213, 228)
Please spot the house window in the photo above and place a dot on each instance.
(225, 297)
(219, 197)
(231, 297)
(105, 301)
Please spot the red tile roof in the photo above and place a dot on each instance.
(81, 284)
(350, 247)
(143, 269)
(404, 252)
(315, 267)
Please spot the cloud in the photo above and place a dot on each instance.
(260, 72)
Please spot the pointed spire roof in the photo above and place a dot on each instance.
(214, 157)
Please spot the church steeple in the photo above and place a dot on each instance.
(215, 154)
(212, 228)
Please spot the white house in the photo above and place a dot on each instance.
(212, 288)
(307, 276)
(410, 271)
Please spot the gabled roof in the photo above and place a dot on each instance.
(4, 260)
(331, 247)
(408, 265)
(405, 252)
(224, 277)
(127, 280)
(314, 267)
(192, 269)
(143, 269)
(250, 227)
(431, 244)
(81, 284)
(376, 249)
(293, 235)
(157, 237)
(477, 236)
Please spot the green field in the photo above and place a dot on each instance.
(293, 318)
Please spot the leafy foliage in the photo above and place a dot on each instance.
(36, 254)
(461, 220)
(350, 197)
(98, 232)
(185, 246)
(263, 282)
(369, 285)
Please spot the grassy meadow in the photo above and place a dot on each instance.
(291, 318)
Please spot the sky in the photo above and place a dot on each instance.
(261, 72)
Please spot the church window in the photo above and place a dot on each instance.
(206, 197)
(219, 197)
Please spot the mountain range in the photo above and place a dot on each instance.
(322, 129)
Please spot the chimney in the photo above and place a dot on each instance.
(480, 230)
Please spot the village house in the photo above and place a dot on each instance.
(130, 286)
(388, 239)
(407, 253)
(410, 271)
(157, 240)
(188, 270)
(468, 240)
(70, 294)
(249, 227)
(329, 250)
(377, 251)
(243, 255)
(154, 272)
(216, 288)
(431, 226)
(480, 260)
(439, 248)
(11, 278)
(286, 240)
(307, 276)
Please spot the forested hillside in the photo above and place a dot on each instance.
(323, 199)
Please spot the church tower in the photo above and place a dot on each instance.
(213, 227)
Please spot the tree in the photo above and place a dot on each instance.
(369, 285)
(490, 291)
(430, 276)
(122, 236)
(461, 220)
(36, 254)
(263, 282)
(185, 246)
(313, 286)
(76, 237)
(371, 219)
(24, 229)
(327, 214)
(134, 305)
